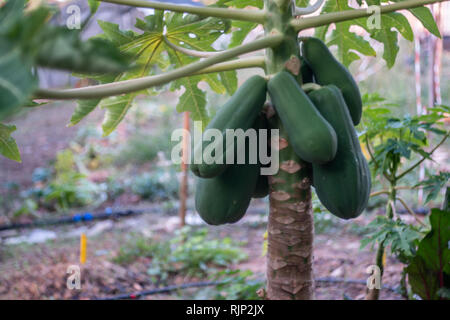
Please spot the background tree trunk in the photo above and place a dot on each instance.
(291, 226)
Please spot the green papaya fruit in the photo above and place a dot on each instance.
(262, 187)
(311, 136)
(240, 112)
(306, 71)
(225, 198)
(343, 184)
(328, 70)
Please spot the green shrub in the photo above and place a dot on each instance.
(143, 148)
(141, 247)
(160, 185)
(189, 252)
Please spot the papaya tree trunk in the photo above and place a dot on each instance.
(290, 227)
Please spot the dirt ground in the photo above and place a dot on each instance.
(39, 271)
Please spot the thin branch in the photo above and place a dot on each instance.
(386, 191)
(325, 19)
(377, 193)
(370, 151)
(308, 10)
(401, 175)
(377, 165)
(133, 85)
(189, 52)
(245, 63)
(258, 16)
(411, 212)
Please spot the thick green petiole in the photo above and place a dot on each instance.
(127, 86)
(258, 16)
(324, 19)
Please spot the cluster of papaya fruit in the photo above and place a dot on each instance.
(320, 128)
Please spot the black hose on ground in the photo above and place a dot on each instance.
(76, 218)
(171, 288)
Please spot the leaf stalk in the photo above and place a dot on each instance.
(258, 16)
(133, 85)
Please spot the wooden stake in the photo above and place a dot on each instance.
(184, 171)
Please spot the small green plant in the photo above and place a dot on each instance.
(143, 148)
(156, 186)
(429, 269)
(196, 253)
(114, 187)
(28, 207)
(63, 187)
(189, 252)
(393, 143)
(434, 184)
(69, 188)
(401, 237)
(139, 247)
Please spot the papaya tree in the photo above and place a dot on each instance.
(174, 47)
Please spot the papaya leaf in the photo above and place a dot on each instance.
(434, 184)
(386, 34)
(389, 40)
(152, 23)
(193, 100)
(93, 5)
(401, 237)
(196, 35)
(424, 15)
(10, 14)
(112, 33)
(400, 22)
(8, 146)
(116, 109)
(151, 55)
(84, 107)
(61, 48)
(215, 83)
(229, 80)
(347, 41)
(321, 32)
(429, 270)
(240, 31)
(146, 50)
(16, 80)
